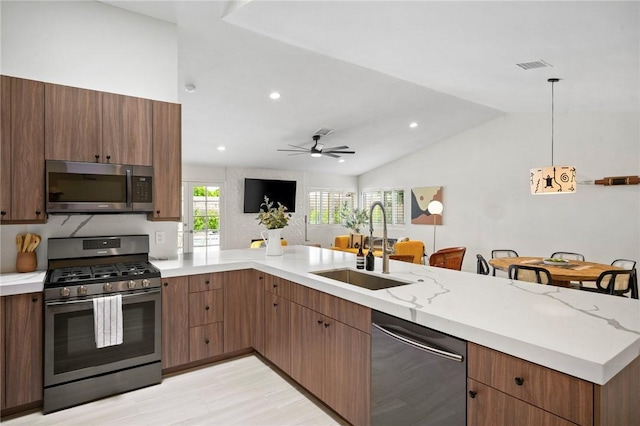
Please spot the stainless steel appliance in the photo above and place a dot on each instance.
(418, 375)
(81, 269)
(77, 187)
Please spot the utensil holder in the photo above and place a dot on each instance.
(26, 262)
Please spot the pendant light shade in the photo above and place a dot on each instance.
(552, 179)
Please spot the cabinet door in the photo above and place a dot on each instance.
(27, 150)
(24, 349)
(348, 371)
(205, 307)
(167, 161)
(242, 306)
(277, 345)
(205, 341)
(491, 407)
(5, 146)
(308, 349)
(126, 129)
(206, 282)
(3, 390)
(73, 124)
(175, 321)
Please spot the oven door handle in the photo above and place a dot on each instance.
(124, 296)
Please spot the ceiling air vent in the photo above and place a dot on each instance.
(322, 132)
(534, 65)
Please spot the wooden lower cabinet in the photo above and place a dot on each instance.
(205, 341)
(333, 361)
(490, 407)
(23, 349)
(243, 310)
(277, 335)
(175, 321)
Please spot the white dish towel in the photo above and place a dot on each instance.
(107, 320)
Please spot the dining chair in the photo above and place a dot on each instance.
(614, 282)
(629, 264)
(567, 255)
(502, 253)
(482, 267)
(402, 257)
(448, 258)
(532, 274)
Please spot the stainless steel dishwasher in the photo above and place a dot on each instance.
(418, 375)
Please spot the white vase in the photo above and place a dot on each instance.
(274, 246)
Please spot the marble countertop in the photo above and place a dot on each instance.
(587, 335)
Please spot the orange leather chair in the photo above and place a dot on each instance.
(449, 258)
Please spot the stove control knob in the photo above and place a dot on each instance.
(107, 287)
(131, 284)
(82, 290)
(65, 292)
(145, 283)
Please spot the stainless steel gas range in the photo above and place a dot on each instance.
(83, 273)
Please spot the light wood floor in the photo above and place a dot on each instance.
(243, 391)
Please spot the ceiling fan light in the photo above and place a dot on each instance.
(316, 154)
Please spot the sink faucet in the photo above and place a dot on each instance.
(385, 255)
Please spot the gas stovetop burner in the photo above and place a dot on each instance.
(116, 271)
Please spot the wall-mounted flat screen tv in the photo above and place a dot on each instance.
(255, 190)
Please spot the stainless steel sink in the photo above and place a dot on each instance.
(361, 279)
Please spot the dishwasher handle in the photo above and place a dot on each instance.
(418, 345)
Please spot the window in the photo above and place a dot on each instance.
(393, 201)
(199, 230)
(324, 206)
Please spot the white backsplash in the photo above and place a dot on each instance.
(88, 225)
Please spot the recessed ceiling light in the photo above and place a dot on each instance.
(221, 148)
(189, 88)
(413, 125)
(341, 160)
(274, 95)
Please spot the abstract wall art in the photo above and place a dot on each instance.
(420, 199)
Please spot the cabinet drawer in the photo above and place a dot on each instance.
(205, 282)
(205, 341)
(558, 393)
(490, 407)
(308, 297)
(205, 307)
(278, 286)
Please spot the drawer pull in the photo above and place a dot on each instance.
(275, 286)
(206, 308)
(472, 394)
(275, 304)
(519, 381)
(320, 321)
(207, 282)
(206, 341)
(326, 324)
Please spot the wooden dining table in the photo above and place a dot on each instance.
(561, 274)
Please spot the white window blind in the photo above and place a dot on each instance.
(324, 206)
(393, 201)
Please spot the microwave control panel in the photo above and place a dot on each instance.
(142, 189)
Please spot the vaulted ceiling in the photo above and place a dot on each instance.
(367, 69)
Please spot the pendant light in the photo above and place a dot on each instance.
(553, 179)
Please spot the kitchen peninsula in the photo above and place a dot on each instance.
(587, 337)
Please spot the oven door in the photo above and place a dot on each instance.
(70, 348)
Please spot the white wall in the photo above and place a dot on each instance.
(90, 45)
(487, 202)
(96, 46)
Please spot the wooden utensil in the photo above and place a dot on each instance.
(19, 243)
(27, 241)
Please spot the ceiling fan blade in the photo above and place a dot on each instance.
(297, 153)
(294, 150)
(334, 148)
(330, 154)
(297, 146)
(338, 152)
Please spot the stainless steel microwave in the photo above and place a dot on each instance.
(77, 187)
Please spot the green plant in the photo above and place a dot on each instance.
(353, 218)
(273, 217)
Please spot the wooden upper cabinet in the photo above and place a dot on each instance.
(5, 146)
(73, 124)
(167, 161)
(22, 151)
(126, 130)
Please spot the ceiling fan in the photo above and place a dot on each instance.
(318, 150)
